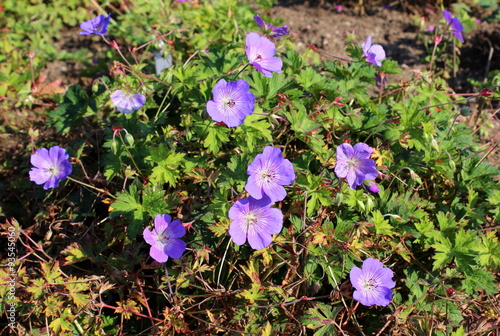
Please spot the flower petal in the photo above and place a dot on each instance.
(175, 248)
(157, 253)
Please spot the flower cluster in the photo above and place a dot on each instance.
(253, 218)
(233, 101)
(124, 102)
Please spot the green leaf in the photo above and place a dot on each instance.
(216, 136)
(167, 170)
(489, 251)
(126, 203)
(323, 317)
(443, 254)
(477, 280)
(382, 225)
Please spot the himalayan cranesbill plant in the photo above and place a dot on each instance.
(232, 102)
(454, 25)
(355, 164)
(97, 25)
(127, 102)
(373, 283)
(275, 31)
(50, 166)
(164, 238)
(181, 162)
(373, 53)
(254, 220)
(260, 52)
(269, 172)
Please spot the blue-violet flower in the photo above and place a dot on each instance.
(97, 25)
(269, 172)
(354, 164)
(260, 52)
(127, 103)
(374, 53)
(164, 238)
(373, 283)
(255, 221)
(232, 102)
(455, 25)
(276, 31)
(50, 166)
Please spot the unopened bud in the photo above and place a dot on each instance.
(465, 111)
(130, 139)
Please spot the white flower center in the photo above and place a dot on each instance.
(53, 170)
(352, 163)
(370, 284)
(162, 238)
(267, 175)
(229, 103)
(251, 219)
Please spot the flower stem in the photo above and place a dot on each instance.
(91, 187)
(131, 157)
(239, 72)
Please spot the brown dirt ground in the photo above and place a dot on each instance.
(396, 28)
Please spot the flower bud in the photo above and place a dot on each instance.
(465, 111)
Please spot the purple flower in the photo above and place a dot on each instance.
(97, 25)
(373, 187)
(164, 238)
(355, 164)
(278, 31)
(254, 220)
(232, 102)
(127, 103)
(374, 53)
(373, 283)
(381, 79)
(50, 166)
(455, 25)
(260, 52)
(269, 172)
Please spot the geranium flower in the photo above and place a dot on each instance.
(354, 164)
(455, 25)
(373, 187)
(269, 172)
(127, 103)
(232, 102)
(260, 52)
(50, 166)
(374, 53)
(277, 31)
(164, 238)
(97, 25)
(255, 221)
(373, 283)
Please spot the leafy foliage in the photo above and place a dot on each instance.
(85, 268)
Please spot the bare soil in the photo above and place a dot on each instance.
(396, 25)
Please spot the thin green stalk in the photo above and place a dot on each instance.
(91, 187)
